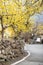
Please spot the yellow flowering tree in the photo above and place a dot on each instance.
(15, 14)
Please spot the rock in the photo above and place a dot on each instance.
(0, 51)
(13, 45)
(1, 56)
(7, 50)
(0, 47)
(3, 51)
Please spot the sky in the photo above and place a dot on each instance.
(38, 17)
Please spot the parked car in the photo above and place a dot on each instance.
(38, 40)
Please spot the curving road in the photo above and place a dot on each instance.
(36, 55)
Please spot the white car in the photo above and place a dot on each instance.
(38, 40)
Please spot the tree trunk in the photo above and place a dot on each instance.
(1, 18)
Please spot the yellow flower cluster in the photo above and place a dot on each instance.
(9, 32)
(40, 29)
(14, 13)
(34, 6)
(17, 13)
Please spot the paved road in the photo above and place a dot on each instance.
(36, 55)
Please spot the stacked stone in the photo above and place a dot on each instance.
(10, 49)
